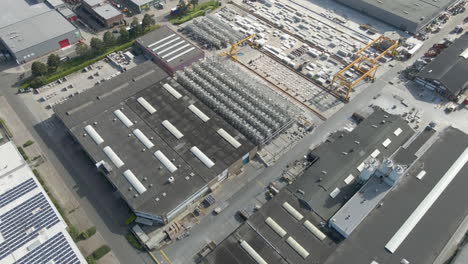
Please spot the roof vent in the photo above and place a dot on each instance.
(383, 122)
(320, 179)
(130, 188)
(84, 134)
(95, 123)
(143, 150)
(173, 160)
(164, 194)
(301, 191)
(179, 166)
(357, 142)
(129, 135)
(114, 119)
(324, 172)
(157, 199)
(150, 185)
(344, 153)
(160, 167)
(121, 108)
(136, 195)
(145, 178)
(171, 179)
(151, 138)
(187, 178)
(374, 126)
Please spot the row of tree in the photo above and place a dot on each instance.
(97, 46)
(183, 6)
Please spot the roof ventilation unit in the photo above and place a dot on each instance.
(171, 179)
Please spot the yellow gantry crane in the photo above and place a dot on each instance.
(366, 66)
(234, 50)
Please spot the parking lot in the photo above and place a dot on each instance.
(61, 90)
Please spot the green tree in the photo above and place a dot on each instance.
(109, 39)
(53, 61)
(124, 36)
(82, 49)
(38, 81)
(38, 68)
(97, 45)
(135, 22)
(182, 7)
(147, 21)
(194, 2)
(136, 31)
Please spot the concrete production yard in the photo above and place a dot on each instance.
(301, 51)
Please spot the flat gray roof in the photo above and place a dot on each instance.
(417, 11)
(431, 234)
(450, 67)
(141, 2)
(268, 243)
(93, 2)
(170, 47)
(17, 10)
(96, 107)
(339, 158)
(107, 11)
(35, 30)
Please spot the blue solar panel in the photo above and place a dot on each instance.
(56, 249)
(17, 192)
(22, 223)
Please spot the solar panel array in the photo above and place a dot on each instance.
(56, 250)
(171, 47)
(17, 192)
(23, 223)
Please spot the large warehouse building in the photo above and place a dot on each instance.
(31, 31)
(31, 228)
(407, 15)
(446, 74)
(157, 144)
(344, 219)
(291, 228)
(169, 50)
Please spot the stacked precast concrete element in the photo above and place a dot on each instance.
(246, 104)
(211, 32)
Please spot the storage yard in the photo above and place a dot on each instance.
(296, 53)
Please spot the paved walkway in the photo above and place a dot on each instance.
(54, 182)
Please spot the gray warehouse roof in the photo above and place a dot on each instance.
(146, 106)
(35, 30)
(107, 11)
(170, 47)
(17, 10)
(436, 227)
(329, 182)
(141, 2)
(93, 2)
(418, 12)
(284, 216)
(450, 66)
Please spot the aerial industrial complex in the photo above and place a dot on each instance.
(29, 31)
(31, 228)
(267, 132)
